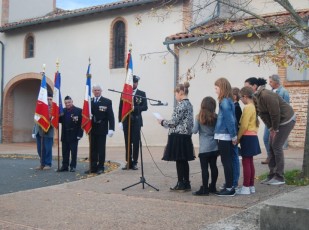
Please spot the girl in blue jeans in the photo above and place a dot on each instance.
(225, 132)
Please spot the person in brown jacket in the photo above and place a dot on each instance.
(279, 118)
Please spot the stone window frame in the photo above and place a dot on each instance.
(113, 47)
(29, 53)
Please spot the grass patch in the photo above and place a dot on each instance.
(293, 177)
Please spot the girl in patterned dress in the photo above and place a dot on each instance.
(179, 146)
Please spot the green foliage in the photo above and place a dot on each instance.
(293, 177)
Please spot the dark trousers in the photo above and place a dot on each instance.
(212, 162)
(68, 147)
(98, 144)
(134, 141)
(276, 156)
(226, 153)
(183, 171)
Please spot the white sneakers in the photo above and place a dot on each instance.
(274, 181)
(245, 190)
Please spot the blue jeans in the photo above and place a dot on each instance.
(45, 153)
(236, 167)
(266, 140)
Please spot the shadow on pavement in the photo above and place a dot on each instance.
(19, 174)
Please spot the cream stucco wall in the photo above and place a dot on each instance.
(235, 68)
(267, 6)
(74, 42)
(205, 10)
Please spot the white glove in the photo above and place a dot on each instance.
(33, 136)
(110, 133)
(120, 126)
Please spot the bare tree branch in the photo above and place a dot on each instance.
(287, 5)
(282, 32)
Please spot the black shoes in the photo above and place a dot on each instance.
(187, 185)
(92, 171)
(134, 167)
(226, 192)
(202, 192)
(100, 171)
(179, 187)
(63, 169)
(72, 169)
(126, 167)
(212, 189)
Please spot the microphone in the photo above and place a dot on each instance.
(160, 103)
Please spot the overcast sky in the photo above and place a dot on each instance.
(75, 4)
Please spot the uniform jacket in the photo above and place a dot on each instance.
(71, 124)
(272, 109)
(102, 116)
(140, 105)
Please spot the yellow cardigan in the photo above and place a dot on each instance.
(247, 120)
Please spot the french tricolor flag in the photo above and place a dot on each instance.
(57, 108)
(41, 116)
(126, 96)
(86, 113)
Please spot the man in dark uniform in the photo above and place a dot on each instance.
(103, 123)
(140, 105)
(71, 133)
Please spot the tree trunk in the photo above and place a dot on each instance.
(306, 149)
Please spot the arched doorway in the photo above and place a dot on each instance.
(19, 100)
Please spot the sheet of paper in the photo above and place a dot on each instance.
(158, 116)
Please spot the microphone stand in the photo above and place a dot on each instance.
(142, 178)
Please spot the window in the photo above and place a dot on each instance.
(29, 46)
(296, 75)
(118, 46)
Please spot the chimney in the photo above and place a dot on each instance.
(5, 12)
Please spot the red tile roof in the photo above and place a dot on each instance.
(60, 14)
(217, 27)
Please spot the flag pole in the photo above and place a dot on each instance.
(90, 168)
(57, 68)
(129, 142)
(41, 137)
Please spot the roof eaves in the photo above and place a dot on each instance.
(194, 38)
(69, 15)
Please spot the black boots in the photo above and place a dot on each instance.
(202, 192)
(182, 186)
(187, 185)
(212, 188)
(179, 187)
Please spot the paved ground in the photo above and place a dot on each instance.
(100, 203)
(19, 174)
